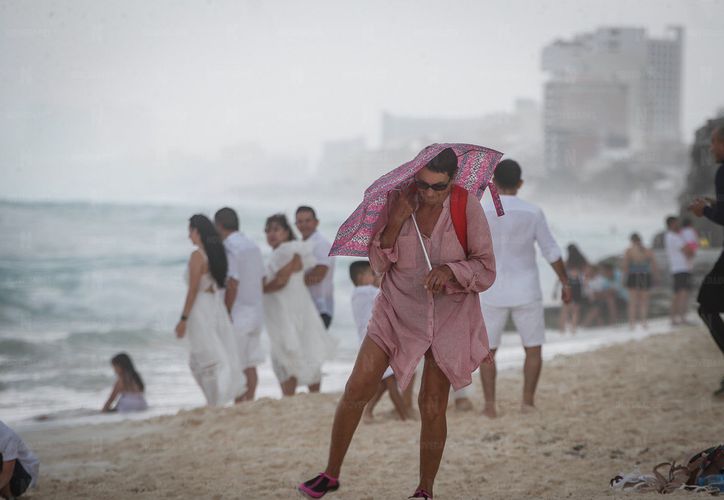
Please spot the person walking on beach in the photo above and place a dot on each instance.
(639, 267)
(711, 293)
(299, 342)
(319, 279)
(679, 255)
(576, 267)
(435, 314)
(243, 295)
(205, 319)
(517, 288)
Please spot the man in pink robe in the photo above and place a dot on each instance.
(408, 319)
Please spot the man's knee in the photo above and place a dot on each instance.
(432, 405)
(533, 353)
(359, 390)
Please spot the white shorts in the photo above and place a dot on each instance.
(528, 320)
(250, 352)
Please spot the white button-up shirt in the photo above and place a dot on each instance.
(514, 237)
(323, 292)
(678, 262)
(246, 266)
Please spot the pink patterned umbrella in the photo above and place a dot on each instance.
(476, 165)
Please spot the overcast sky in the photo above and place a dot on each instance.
(110, 100)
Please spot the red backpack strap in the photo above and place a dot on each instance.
(459, 215)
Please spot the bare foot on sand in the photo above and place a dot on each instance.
(463, 404)
(368, 418)
(489, 411)
(527, 409)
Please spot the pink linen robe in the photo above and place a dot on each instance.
(407, 319)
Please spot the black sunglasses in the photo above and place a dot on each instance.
(423, 186)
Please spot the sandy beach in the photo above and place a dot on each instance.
(612, 410)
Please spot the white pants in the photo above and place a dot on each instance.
(528, 320)
(251, 353)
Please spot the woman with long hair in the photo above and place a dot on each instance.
(205, 320)
(639, 268)
(576, 265)
(128, 388)
(299, 340)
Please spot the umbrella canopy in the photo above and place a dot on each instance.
(476, 165)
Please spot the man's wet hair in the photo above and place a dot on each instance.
(305, 208)
(446, 162)
(226, 217)
(357, 269)
(507, 174)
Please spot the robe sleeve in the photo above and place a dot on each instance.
(382, 259)
(476, 273)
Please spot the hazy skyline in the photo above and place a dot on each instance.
(136, 100)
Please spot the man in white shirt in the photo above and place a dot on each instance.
(243, 295)
(680, 255)
(319, 279)
(517, 289)
(19, 467)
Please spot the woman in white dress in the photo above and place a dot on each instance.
(205, 320)
(299, 341)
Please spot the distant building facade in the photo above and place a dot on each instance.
(609, 94)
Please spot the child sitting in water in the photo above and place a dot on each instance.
(366, 288)
(128, 387)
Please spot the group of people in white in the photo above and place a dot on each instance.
(232, 295)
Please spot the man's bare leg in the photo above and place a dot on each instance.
(488, 374)
(251, 382)
(368, 416)
(433, 397)
(684, 305)
(407, 394)
(462, 399)
(531, 374)
(674, 309)
(391, 385)
(361, 386)
(289, 386)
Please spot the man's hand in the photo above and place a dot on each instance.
(402, 204)
(437, 278)
(566, 294)
(697, 206)
(316, 275)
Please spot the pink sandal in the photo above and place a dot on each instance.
(420, 493)
(319, 486)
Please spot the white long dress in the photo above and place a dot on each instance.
(299, 342)
(212, 345)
